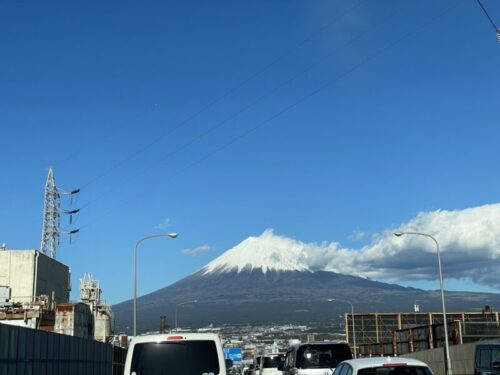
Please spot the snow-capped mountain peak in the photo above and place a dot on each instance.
(266, 252)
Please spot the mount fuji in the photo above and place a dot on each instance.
(269, 279)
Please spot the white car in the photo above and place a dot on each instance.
(383, 366)
(176, 354)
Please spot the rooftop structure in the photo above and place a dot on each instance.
(104, 320)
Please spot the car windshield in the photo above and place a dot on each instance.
(395, 370)
(322, 355)
(272, 362)
(175, 358)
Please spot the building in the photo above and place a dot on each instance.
(29, 274)
(74, 319)
(103, 317)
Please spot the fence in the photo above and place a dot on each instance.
(431, 336)
(474, 331)
(374, 328)
(25, 351)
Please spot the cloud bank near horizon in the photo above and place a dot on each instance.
(469, 241)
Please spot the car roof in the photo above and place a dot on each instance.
(175, 336)
(333, 342)
(380, 361)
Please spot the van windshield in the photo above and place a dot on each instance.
(395, 370)
(175, 358)
(322, 355)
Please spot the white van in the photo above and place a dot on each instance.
(315, 358)
(176, 354)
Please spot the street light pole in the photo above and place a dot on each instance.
(352, 321)
(446, 343)
(177, 306)
(171, 235)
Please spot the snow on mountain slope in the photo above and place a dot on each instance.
(267, 252)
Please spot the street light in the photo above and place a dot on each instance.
(180, 304)
(171, 235)
(352, 320)
(446, 344)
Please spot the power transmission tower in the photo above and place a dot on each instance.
(51, 230)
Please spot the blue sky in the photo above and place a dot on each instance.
(408, 124)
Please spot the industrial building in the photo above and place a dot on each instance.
(74, 319)
(34, 293)
(103, 317)
(28, 274)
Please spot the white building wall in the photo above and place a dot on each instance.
(17, 270)
(26, 270)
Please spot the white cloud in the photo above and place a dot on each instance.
(164, 224)
(197, 251)
(357, 235)
(469, 240)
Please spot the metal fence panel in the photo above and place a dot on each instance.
(26, 351)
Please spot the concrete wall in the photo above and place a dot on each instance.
(103, 324)
(462, 358)
(19, 267)
(17, 270)
(53, 276)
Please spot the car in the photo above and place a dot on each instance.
(383, 366)
(270, 364)
(487, 359)
(176, 354)
(315, 358)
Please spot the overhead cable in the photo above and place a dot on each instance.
(304, 98)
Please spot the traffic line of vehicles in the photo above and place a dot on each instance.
(202, 354)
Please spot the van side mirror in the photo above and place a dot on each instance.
(229, 363)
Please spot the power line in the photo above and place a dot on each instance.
(253, 103)
(488, 16)
(222, 97)
(303, 99)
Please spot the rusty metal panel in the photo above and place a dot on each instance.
(74, 320)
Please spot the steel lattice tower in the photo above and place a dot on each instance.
(51, 213)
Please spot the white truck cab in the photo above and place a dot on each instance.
(176, 354)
